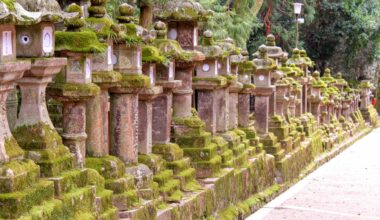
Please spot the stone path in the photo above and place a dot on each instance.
(346, 188)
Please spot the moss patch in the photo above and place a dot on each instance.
(83, 41)
(38, 136)
(12, 149)
(135, 81)
(150, 54)
(106, 77)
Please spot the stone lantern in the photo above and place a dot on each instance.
(182, 17)
(124, 98)
(73, 85)
(162, 104)
(207, 81)
(37, 42)
(150, 57)
(340, 82)
(246, 70)
(316, 95)
(11, 70)
(298, 61)
(275, 53)
(264, 67)
(98, 108)
(235, 86)
(365, 99)
(328, 78)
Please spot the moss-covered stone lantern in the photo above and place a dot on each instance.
(275, 53)
(232, 97)
(73, 86)
(303, 78)
(206, 82)
(246, 70)
(264, 67)
(124, 98)
(162, 115)
(14, 169)
(316, 95)
(150, 57)
(37, 42)
(340, 83)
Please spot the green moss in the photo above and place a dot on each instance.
(12, 149)
(150, 54)
(103, 27)
(193, 121)
(230, 78)
(171, 49)
(14, 204)
(10, 4)
(129, 34)
(219, 80)
(192, 186)
(170, 152)
(38, 136)
(83, 41)
(95, 179)
(106, 77)
(108, 166)
(134, 81)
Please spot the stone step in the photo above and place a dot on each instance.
(201, 154)
(110, 214)
(126, 200)
(15, 204)
(52, 161)
(49, 210)
(18, 175)
(79, 200)
(194, 141)
(155, 162)
(185, 176)
(84, 215)
(163, 177)
(103, 201)
(146, 210)
(239, 150)
(69, 180)
(207, 168)
(232, 138)
(120, 185)
(170, 152)
(179, 165)
(227, 156)
(171, 191)
(109, 167)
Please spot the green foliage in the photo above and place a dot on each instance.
(236, 22)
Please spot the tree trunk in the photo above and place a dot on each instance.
(146, 16)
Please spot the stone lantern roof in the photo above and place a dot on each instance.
(99, 22)
(264, 62)
(75, 39)
(317, 82)
(273, 50)
(296, 58)
(50, 9)
(327, 77)
(209, 48)
(181, 10)
(306, 58)
(229, 47)
(340, 80)
(12, 12)
(171, 49)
